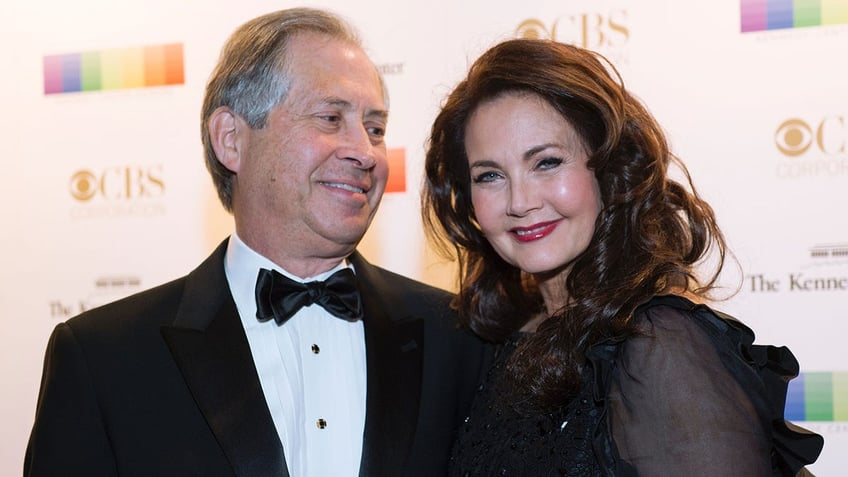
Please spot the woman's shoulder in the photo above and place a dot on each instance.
(673, 333)
(676, 311)
(674, 317)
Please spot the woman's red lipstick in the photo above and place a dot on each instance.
(535, 231)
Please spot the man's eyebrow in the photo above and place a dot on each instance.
(379, 114)
(344, 104)
(337, 102)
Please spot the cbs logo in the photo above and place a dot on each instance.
(795, 137)
(119, 183)
(587, 30)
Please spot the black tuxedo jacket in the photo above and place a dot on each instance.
(162, 383)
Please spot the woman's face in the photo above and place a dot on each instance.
(533, 194)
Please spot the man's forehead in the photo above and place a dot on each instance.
(333, 72)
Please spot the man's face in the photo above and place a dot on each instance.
(312, 178)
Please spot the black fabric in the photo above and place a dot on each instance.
(498, 440)
(279, 297)
(689, 395)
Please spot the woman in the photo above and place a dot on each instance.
(578, 252)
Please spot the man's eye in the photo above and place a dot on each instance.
(377, 131)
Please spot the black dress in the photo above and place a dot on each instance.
(689, 395)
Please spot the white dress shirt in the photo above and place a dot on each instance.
(312, 371)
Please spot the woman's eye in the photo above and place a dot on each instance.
(487, 176)
(549, 163)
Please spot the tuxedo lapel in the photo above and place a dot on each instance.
(394, 347)
(209, 346)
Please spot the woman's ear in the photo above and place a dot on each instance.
(225, 132)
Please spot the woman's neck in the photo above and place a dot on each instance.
(554, 295)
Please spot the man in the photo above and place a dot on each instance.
(213, 374)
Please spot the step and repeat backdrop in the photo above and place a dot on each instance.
(104, 190)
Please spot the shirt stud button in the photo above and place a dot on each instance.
(316, 349)
(321, 424)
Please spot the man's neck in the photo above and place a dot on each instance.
(302, 265)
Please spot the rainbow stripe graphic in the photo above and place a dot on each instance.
(759, 15)
(818, 397)
(121, 68)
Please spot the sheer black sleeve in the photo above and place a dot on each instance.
(676, 409)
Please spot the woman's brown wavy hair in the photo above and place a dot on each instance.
(649, 237)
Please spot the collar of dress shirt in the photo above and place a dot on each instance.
(242, 264)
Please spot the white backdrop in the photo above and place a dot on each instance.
(760, 117)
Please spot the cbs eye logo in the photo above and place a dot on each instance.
(119, 183)
(83, 185)
(534, 29)
(795, 137)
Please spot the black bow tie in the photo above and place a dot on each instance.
(280, 297)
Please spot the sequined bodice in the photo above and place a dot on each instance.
(496, 440)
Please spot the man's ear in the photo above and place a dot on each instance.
(226, 132)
